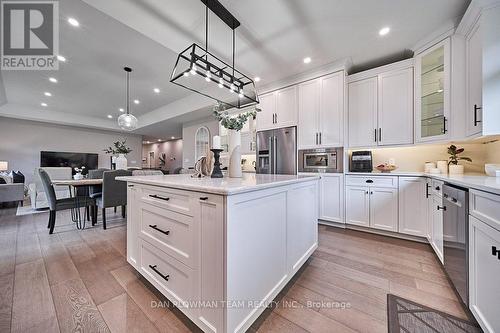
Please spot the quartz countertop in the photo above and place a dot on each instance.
(477, 181)
(224, 186)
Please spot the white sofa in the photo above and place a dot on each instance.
(37, 193)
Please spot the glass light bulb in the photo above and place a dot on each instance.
(208, 76)
(231, 88)
(186, 73)
(221, 83)
(240, 95)
(193, 69)
(127, 122)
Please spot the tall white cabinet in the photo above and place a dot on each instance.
(321, 112)
(474, 81)
(380, 111)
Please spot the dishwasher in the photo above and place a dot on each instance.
(455, 238)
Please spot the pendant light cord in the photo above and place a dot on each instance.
(206, 33)
(128, 89)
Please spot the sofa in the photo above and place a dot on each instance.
(36, 191)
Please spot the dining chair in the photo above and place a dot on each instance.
(54, 203)
(114, 192)
(95, 191)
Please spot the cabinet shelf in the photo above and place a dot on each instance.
(435, 68)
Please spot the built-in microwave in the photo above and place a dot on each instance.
(321, 160)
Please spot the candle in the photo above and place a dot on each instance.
(216, 142)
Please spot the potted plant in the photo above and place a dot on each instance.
(234, 124)
(118, 152)
(454, 153)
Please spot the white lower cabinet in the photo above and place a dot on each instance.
(331, 196)
(484, 270)
(372, 206)
(413, 206)
(436, 216)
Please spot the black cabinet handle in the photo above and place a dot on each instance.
(444, 125)
(475, 114)
(317, 141)
(320, 138)
(159, 197)
(153, 267)
(495, 252)
(375, 135)
(369, 181)
(438, 188)
(130, 185)
(204, 198)
(371, 192)
(380, 135)
(441, 208)
(427, 190)
(154, 226)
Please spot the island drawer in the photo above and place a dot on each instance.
(485, 207)
(171, 199)
(173, 279)
(174, 233)
(376, 181)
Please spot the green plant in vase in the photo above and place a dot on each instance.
(454, 158)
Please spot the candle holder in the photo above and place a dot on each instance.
(216, 173)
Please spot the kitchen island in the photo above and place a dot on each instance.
(221, 249)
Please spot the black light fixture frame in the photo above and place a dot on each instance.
(199, 57)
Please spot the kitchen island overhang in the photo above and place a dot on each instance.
(221, 249)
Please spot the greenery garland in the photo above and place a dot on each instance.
(233, 122)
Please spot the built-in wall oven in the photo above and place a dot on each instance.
(321, 160)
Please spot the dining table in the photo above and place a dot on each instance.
(79, 189)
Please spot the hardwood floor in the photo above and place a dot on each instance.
(79, 280)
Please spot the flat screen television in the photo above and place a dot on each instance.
(72, 160)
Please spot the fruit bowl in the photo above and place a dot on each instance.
(386, 167)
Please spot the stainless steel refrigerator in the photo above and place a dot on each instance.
(277, 151)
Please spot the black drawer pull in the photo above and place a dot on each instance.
(154, 226)
(165, 277)
(159, 197)
(369, 181)
(495, 252)
(441, 208)
(204, 198)
(438, 188)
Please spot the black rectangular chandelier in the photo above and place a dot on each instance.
(202, 72)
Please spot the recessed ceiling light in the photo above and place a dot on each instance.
(47, 94)
(110, 116)
(136, 101)
(53, 79)
(256, 79)
(156, 90)
(159, 140)
(73, 22)
(43, 104)
(121, 110)
(148, 142)
(61, 58)
(172, 137)
(384, 31)
(307, 60)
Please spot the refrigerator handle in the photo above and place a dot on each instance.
(275, 154)
(271, 154)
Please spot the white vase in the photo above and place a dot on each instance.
(235, 154)
(121, 162)
(456, 169)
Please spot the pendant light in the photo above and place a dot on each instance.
(127, 121)
(200, 71)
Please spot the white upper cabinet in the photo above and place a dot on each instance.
(309, 106)
(395, 107)
(279, 109)
(331, 110)
(286, 107)
(432, 93)
(265, 118)
(321, 108)
(363, 113)
(380, 107)
(474, 81)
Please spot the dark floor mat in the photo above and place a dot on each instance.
(406, 316)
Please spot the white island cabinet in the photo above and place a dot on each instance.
(221, 249)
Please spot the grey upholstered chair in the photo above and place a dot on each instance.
(54, 203)
(95, 191)
(114, 192)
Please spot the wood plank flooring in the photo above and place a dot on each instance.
(80, 281)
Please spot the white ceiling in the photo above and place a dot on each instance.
(274, 37)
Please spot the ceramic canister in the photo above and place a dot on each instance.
(428, 166)
(443, 166)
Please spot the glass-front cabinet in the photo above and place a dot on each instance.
(248, 136)
(432, 91)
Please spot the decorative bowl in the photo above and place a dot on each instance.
(386, 168)
(490, 169)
